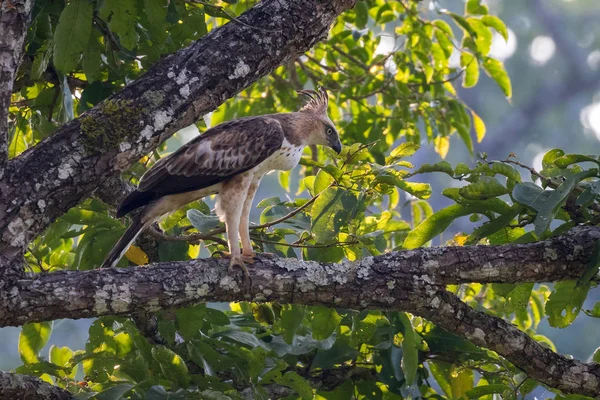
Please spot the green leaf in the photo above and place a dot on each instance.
(242, 337)
(410, 358)
(325, 322)
(495, 69)
(547, 205)
(442, 166)
(471, 67)
(121, 15)
(190, 320)
(479, 126)
(494, 22)
(61, 356)
(475, 7)
(362, 14)
(403, 150)
(269, 201)
(441, 372)
(216, 317)
(41, 59)
(291, 318)
(518, 297)
(565, 302)
(596, 355)
(463, 23)
(204, 223)
(32, 339)
(444, 26)
(92, 58)
(331, 254)
(332, 209)
(589, 195)
(72, 34)
(299, 384)
(465, 135)
(486, 187)
(481, 391)
(322, 181)
(115, 392)
(495, 225)
(156, 12)
(483, 38)
(438, 222)
(569, 159)
(284, 180)
(172, 365)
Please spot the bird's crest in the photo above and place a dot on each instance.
(317, 102)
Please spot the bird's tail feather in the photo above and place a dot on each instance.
(123, 244)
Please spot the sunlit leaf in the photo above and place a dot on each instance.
(495, 69)
(32, 339)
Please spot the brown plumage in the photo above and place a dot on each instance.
(229, 159)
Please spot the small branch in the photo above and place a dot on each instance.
(17, 386)
(350, 57)
(211, 235)
(307, 246)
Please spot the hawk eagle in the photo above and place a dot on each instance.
(229, 160)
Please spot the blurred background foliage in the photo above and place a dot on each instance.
(402, 75)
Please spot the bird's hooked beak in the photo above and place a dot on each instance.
(337, 146)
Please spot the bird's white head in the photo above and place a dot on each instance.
(324, 132)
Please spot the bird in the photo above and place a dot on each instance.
(228, 160)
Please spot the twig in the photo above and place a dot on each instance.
(211, 235)
(351, 58)
(307, 246)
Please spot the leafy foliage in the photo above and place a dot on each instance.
(391, 73)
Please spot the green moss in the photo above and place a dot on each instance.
(106, 130)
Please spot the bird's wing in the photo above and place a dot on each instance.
(221, 152)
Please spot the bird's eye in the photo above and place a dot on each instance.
(329, 131)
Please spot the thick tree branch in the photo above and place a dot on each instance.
(47, 180)
(17, 386)
(410, 281)
(14, 21)
(386, 281)
(540, 363)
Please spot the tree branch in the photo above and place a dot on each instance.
(14, 21)
(410, 281)
(540, 363)
(17, 386)
(386, 281)
(61, 171)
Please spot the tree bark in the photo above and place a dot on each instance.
(47, 180)
(17, 386)
(540, 363)
(14, 21)
(410, 281)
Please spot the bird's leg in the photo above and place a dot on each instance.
(231, 201)
(247, 252)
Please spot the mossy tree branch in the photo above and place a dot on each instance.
(410, 281)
